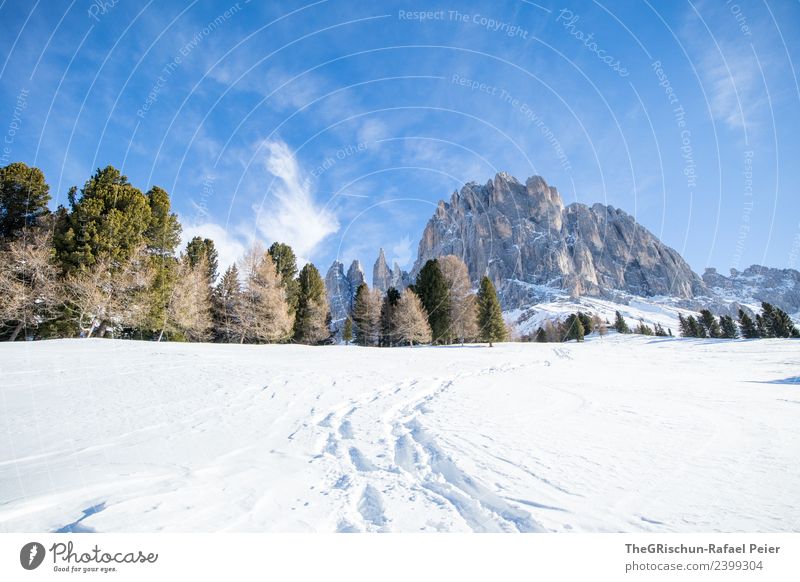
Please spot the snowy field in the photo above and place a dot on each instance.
(617, 434)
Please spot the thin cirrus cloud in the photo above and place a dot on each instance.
(290, 214)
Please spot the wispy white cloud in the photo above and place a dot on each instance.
(290, 213)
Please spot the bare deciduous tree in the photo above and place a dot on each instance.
(30, 289)
(463, 304)
(111, 293)
(189, 307)
(263, 312)
(411, 321)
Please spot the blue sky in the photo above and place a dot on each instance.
(336, 126)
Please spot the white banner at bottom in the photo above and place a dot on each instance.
(400, 557)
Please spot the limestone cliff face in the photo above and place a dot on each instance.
(531, 245)
(383, 277)
(341, 289)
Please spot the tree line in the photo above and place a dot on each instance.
(771, 322)
(108, 264)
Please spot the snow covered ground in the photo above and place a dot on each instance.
(617, 434)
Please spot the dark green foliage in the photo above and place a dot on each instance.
(491, 327)
(347, 333)
(659, 330)
(728, 327)
(388, 305)
(24, 195)
(683, 326)
(286, 264)
(586, 321)
(161, 237)
(620, 325)
(776, 322)
(541, 336)
(709, 324)
(365, 318)
(225, 302)
(109, 219)
(643, 329)
(694, 329)
(432, 290)
(199, 247)
(762, 328)
(573, 328)
(749, 329)
(312, 314)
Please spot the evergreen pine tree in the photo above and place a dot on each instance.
(311, 318)
(762, 328)
(109, 219)
(24, 195)
(728, 327)
(225, 306)
(366, 316)
(286, 263)
(491, 327)
(541, 336)
(203, 248)
(162, 237)
(432, 290)
(710, 324)
(347, 333)
(683, 326)
(586, 322)
(620, 325)
(573, 328)
(694, 328)
(388, 332)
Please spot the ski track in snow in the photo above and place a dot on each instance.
(617, 434)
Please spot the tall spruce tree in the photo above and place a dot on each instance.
(225, 306)
(312, 315)
(694, 328)
(728, 327)
(286, 263)
(161, 237)
(24, 195)
(749, 329)
(619, 323)
(491, 327)
(431, 287)
(573, 328)
(366, 316)
(541, 336)
(586, 322)
(388, 331)
(347, 333)
(710, 324)
(204, 249)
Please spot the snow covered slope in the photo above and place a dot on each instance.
(617, 434)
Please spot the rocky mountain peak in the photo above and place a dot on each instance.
(532, 245)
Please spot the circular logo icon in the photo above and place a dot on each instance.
(31, 555)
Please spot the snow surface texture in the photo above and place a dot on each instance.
(617, 434)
